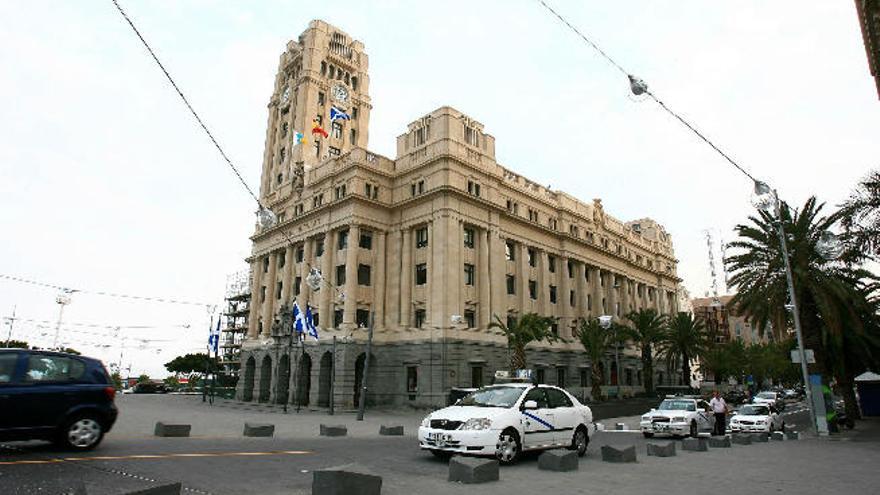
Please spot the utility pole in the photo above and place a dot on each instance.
(363, 397)
(11, 322)
(63, 299)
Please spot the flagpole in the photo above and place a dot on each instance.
(332, 375)
(363, 397)
(208, 360)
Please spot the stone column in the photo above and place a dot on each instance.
(393, 279)
(525, 272)
(498, 273)
(624, 297)
(544, 280)
(269, 304)
(487, 304)
(351, 285)
(563, 302)
(407, 275)
(581, 287)
(378, 275)
(596, 282)
(287, 277)
(612, 291)
(327, 293)
(452, 270)
(255, 307)
(305, 293)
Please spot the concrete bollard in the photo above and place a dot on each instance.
(258, 430)
(719, 442)
(348, 479)
(658, 450)
(396, 430)
(472, 470)
(558, 460)
(172, 489)
(171, 430)
(760, 437)
(741, 439)
(333, 430)
(694, 444)
(620, 426)
(618, 454)
(778, 435)
(792, 435)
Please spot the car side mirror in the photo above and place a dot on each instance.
(734, 413)
(530, 404)
(653, 409)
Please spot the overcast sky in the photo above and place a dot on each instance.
(107, 183)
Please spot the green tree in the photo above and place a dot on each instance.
(596, 340)
(646, 331)
(191, 363)
(860, 217)
(529, 328)
(684, 340)
(143, 378)
(16, 344)
(117, 379)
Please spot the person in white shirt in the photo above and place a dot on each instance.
(719, 407)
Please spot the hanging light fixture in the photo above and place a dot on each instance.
(266, 217)
(763, 197)
(829, 246)
(637, 86)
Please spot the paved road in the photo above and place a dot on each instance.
(219, 461)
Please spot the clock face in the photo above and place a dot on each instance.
(340, 93)
(285, 95)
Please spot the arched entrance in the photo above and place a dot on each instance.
(265, 378)
(281, 391)
(249, 369)
(324, 379)
(359, 378)
(304, 380)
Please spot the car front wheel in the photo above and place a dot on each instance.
(81, 433)
(647, 434)
(508, 447)
(580, 441)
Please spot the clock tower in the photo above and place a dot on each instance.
(320, 106)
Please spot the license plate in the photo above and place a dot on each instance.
(660, 427)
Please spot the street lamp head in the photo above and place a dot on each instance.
(763, 197)
(829, 246)
(314, 279)
(605, 321)
(637, 86)
(266, 217)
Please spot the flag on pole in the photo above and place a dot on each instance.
(299, 321)
(214, 337)
(337, 114)
(310, 323)
(317, 129)
(299, 137)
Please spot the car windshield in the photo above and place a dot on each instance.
(767, 395)
(754, 411)
(492, 397)
(677, 405)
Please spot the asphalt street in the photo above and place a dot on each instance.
(223, 462)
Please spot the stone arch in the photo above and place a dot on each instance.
(358, 378)
(249, 370)
(304, 380)
(324, 376)
(282, 391)
(265, 378)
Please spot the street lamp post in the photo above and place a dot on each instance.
(605, 322)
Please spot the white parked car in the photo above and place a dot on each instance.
(756, 418)
(678, 416)
(504, 420)
(772, 398)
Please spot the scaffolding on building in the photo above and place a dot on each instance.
(238, 300)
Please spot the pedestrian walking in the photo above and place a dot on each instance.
(719, 407)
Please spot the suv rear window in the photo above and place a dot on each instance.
(7, 366)
(53, 369)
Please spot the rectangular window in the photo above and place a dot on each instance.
(584, 377)
(421, 274)
(278, 287)
(509, 251)
(317, 146)
(554, 329)
(352, 137)
(340, 275)
(421, 186)
(297, 285)
(266, 265)
(298, 209)
(336, 130)
(628, 373)
(476, 376)
(366, 240)
(316, 318)
(570, 269)
(469, 275)
(560, 377)
(342, 239)
(319, 247)
(42, 368)
(420, 318)
(540, 375)
(533, 257)
(421, 237)
(262, 293)
(362, 318)
(511, 284)
(511, 320)
(468, 237)
(333, 151)
(571, 298)
(318, 200)
(552, 294)
(282, 258)
(337, 318)
(473, 188)
(320, 98)
(551, 264)
(364, 275)
(300, 254)
(354, 112)
(533, 290)
(412, 379)
(470, 317)
(340, 191)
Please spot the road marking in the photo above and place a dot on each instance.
(156, 456)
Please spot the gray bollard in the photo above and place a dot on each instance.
(778, 435)
(760, 437)
(719, 442)
(618, 454)
(620, 426)
(396, 430)
(171, 430)
(658, 450)
(558, 460)
(473, 470)
(348, 479)
(741, 439)
(694, 444)
(792, 435)
(258, 430)
(333, 430)
(172, 489)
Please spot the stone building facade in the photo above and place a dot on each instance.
(434, 244)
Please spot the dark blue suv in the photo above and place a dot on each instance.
(55, 396)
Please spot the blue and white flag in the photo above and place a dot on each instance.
(337, 114)
(299, 321)
(214, 337)
(310, 323)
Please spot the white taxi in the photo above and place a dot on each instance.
(678, 416)
(756, 418)
(504, 420)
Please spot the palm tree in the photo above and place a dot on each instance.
(531, 327)
(596, 341)
(832, 295)
(860, 217)
(684, 340)
(646, 330)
